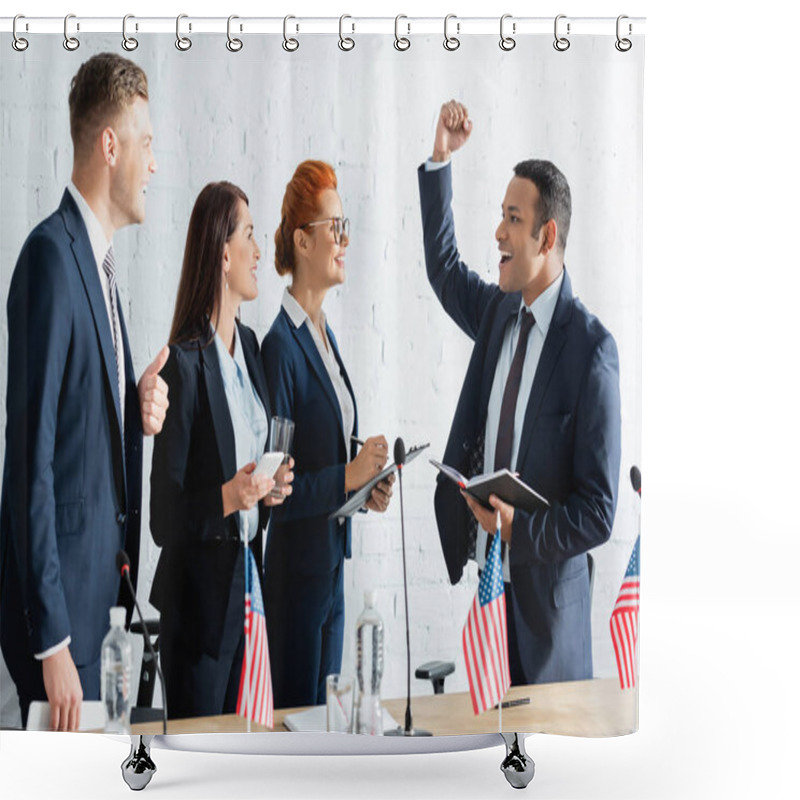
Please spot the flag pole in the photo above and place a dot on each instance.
(500, 704)
(246, 649)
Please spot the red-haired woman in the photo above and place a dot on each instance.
(308, 383)
(204, 495)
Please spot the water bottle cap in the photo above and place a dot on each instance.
(116, 616)
(370, 597)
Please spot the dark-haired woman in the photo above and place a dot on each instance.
(303, 583)
(204, 496)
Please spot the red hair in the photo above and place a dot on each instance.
(300, 206)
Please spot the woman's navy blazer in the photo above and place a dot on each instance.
(194, 454)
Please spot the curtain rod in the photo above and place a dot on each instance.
(348, 25)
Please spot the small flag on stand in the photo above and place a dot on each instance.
(255, 684)
(485, 638)
(625, 623)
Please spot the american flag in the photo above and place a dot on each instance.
(625, 623)
(255, 684)
(485, 639)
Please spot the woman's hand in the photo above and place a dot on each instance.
(370, 460)
(283, 479)
(381, 495)
(244, 490)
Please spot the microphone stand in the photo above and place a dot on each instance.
(124, 565)
(409, 730)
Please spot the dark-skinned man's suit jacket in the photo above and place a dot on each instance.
(71, 493)
(569, 449)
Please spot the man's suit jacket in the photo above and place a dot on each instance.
(194, 454)
(71, 492)
(569, 449)
(301, 537)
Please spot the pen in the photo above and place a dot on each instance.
(360, 443)
(520, 701)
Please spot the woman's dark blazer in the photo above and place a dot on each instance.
(193, 456)
(301, 537)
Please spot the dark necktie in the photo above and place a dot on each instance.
(508, 409)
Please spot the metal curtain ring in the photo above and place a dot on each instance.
(128, 42)
(70, 42)
(233, 44)
(183, 43)
(623, 45)
(345, 42)
(401, 42)
(451, 42)
(289, 45)
(19, 44)
(561, 43)
(507, 42)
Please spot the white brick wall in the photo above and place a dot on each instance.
(250, 118)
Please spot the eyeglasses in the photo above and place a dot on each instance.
(340, 226)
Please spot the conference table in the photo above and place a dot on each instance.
(594, 708)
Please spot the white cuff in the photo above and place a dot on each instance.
(432, 166)
(51, 651)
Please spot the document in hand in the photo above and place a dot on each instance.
(506, 485)
(357, 499)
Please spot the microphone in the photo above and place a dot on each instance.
(399, 460)
(636, 480)
(399, 452)
(124, 567)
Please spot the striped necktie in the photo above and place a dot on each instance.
(110, 269)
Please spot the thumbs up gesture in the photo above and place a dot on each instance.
(153, 392)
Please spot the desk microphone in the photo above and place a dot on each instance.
(124, 567)
(400, 460)
(636, 480)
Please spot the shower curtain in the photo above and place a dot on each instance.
(250, 117)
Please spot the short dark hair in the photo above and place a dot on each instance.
(214, 219)
(555, 199)
(104, 86)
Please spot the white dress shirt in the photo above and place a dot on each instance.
(249, 420)
(299, 317)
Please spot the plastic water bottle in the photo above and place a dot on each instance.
(115, 676)
(369, 668)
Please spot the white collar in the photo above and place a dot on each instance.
(297, 314)
(228, 362)
(544, 306)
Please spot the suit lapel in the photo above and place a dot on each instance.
(220, 414)
(255, 370)
(84, 258)
(335, 348)
(309, 348)
(553, 343)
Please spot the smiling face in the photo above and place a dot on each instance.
(240, 258)
(325, 259)
(524, 263)
(133, 163)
